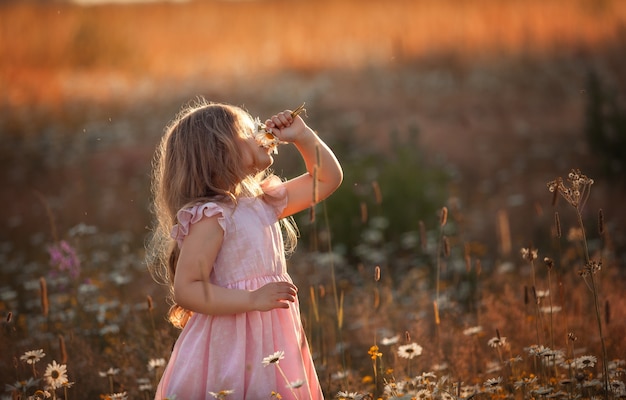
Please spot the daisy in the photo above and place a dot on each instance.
(295, 384)
(424, 394)
(390, 340)
(524, 382)
(410, 350)
(41, 394)
(155, 363)
(347, 395)
(56, 374)
(22, 386)
(221, 394)
(33, 356)
(110, 372)
(264, 136)
(273, 358)
(496, 342)
(585, 361)
(117, 396)
(474, 330)
(492, 384)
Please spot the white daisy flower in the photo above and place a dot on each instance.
(273, 358)
(56, 374)
(410, 350)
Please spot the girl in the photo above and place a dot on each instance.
(221, 250)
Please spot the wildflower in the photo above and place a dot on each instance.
(273, 358)
(33, 356)
(577, 192)
(468, 391)
(41, 394)
(514, 360)
(617, 387)
(493, 366)
(590, 268)
(155, 363)
(347, 395)
(339, 375)
(536, 350)
(474, 330)
(445, 396)
(525, 382)
(585, 361)
(496, 342)
(529, 254)
(410, 350)
(424, 394)
(144, 384)
(22, 386)
(492, 384)
(56, 374)
(117, 396)
(64, 258)
(374, 353)
(390, 340)
(264, 136)
(440, 367)
(295, 384)
(550, 309)
(542, 390)
(221, 394)
(427, 376)
(110, 372)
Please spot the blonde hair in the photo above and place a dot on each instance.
(199, 160)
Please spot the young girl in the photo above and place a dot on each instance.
(222, 252)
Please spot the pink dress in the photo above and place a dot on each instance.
(219, 353)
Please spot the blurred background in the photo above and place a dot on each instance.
(473, 105)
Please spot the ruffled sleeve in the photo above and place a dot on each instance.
(275, 193)
(188, 216)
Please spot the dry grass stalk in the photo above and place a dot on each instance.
(443, 218)
(44, 296)
(377, 193)
(504, 230)
(62, 349)
(557, 225)
(364, 215)
(600, 222)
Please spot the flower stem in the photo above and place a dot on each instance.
(594, 290)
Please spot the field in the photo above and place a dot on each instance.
(418, 277)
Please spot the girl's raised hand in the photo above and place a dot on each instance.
(274, 295)
(286, 127)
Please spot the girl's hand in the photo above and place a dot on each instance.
(274, 295)
(286, 127)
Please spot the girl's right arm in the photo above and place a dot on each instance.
(194, 292)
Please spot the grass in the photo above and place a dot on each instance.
(528, 330)
(381, 271)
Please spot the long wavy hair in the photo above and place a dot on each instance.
(199, 160)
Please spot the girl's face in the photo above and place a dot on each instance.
(255, 157)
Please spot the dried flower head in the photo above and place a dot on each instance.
(590, 268)
(577, 192)
(529, 254)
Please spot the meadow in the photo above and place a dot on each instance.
(453, 263)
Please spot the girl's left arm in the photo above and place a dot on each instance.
(324, 173)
